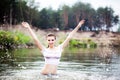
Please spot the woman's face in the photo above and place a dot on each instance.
(51, 41)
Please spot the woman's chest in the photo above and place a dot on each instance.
(52, 53)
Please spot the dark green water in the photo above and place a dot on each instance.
(76, 64)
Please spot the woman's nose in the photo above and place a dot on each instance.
(51, 41)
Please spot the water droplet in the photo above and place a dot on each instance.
(107, 69)
(19, 65)
(23, 67)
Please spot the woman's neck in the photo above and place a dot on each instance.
(51, 47)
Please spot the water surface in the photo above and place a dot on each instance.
(76, 64)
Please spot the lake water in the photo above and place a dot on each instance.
(76, 64)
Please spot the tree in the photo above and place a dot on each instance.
(5, 10)
(84, 11)
(118, 28)
(44, 19)
(65, 13)
(55, 19)
(15, 11)
(106, 18)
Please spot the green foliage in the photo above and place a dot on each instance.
(82, 44)
(77, 44)
(91, 44)
(6, 57)
(6, 39)
(21, 38)
(10, 40)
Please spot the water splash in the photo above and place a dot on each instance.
(63, 75)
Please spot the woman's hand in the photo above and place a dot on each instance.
(25, 24)
(81, 22)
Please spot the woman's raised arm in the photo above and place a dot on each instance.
(37, 42)
(64, 44)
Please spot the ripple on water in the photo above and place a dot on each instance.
(63, 75)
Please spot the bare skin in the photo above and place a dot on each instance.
(50, 68)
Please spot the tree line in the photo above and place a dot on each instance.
(66, 17)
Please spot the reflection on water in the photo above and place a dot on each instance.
(83, 64)
(106, 54)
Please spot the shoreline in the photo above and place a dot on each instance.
(102, 38)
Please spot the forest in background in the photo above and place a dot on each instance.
(15, 11)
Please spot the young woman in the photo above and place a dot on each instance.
(51, 54)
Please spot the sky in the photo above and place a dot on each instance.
(55, 4)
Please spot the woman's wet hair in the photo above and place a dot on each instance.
(51, 34)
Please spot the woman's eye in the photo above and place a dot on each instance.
(51, 40)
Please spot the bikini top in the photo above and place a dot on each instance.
(52, 56)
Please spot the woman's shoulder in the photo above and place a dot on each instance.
(60, 47)
(43, 49)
